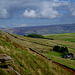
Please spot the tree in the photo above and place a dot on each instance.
(62, 49)
(56, 48)
(66, 49)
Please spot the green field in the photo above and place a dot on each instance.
(57, 54)
(66, 39)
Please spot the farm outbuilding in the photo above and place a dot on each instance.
(69, 56)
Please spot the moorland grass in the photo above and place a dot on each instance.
(47, 51)
(26, 62)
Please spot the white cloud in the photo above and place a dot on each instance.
(45, 13)
(37, 8)
(48, 9)
(45, 10)
(49, 13)
(4, 13)
(31, 14)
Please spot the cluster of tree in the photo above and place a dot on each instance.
(63, 50)
(37, 36)
(34, 35)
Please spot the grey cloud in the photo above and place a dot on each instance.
(4, 13)
(47, 9)
(35, 8)
(16, 5)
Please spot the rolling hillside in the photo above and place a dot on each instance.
(50, 29)
(26, 62)
(45, 46)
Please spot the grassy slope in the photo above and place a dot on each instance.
(26, 62)
(66, 39)
(47, 51)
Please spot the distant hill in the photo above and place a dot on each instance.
(50, 29)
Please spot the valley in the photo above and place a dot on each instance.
(28, 62)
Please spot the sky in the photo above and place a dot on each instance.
(21, 13)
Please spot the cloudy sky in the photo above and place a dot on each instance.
(19, 13)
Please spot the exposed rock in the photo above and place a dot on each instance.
(5, 59)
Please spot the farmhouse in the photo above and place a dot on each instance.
(69, 56)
